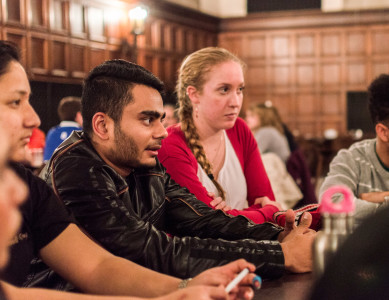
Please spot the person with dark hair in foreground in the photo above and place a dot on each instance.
(111, 179)
(48, 230)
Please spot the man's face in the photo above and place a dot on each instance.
(138, 137)
(16, 113)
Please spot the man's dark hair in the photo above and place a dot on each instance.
(378, 99)
(108, 89)
(8, 52)
(68, 108)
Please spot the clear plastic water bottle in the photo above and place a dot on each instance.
(337, 209)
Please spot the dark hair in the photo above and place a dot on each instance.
(8, 52)
(68, 108)
(378, 99)
(108, 88)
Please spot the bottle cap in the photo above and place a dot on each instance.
(346, 205)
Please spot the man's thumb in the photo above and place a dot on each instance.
(306, 220)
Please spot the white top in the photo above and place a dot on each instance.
(231, 178)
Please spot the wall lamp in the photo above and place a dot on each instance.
(137, 20)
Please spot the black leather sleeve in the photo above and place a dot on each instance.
(234, 237)
(128, 221)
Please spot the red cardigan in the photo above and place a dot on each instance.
(182, 166)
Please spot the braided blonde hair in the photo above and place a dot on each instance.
(193, 72)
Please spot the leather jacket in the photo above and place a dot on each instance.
(150, 220)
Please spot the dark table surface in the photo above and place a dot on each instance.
(288, 287)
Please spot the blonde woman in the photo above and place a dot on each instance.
(212, 152)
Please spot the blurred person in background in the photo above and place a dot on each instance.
(69, 112)
(268, 130)
(171, 117)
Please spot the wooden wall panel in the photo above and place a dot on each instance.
(356, 43)
(59, 54)
(330, 44)
(97, 56)
(306, 75)
(331, 104)
(281, 75)
(65, 38)
(379, 67)
(14, 12)
(256, 76)
(77, 63)
(380, 37)
(305, 46)
(310, 58)
(306, 105)
(256, 47)
(331, 74)
(38, 57)
(17, 37)
(356, 73)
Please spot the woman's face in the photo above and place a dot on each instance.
(16, 111)
(219, 103)
(12, 193)
(252, 119)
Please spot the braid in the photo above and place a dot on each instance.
(192, 138)
(193, 72)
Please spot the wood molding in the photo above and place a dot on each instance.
(302, 19)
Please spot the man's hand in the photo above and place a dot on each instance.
(289, 224)
(223, 275)
(296, 244)
(374, 197)
(218, 203)
(266, 201)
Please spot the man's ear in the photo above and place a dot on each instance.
(101, 124)
(382, 132)
(193, 94)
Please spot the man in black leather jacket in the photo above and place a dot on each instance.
(109, 176)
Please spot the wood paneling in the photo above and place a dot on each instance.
(305, 62)
(38, 55)
(59, 50)
(14, 9)
(64, 39)
(78, 67)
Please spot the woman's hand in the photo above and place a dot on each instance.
(266, 201)
(219, 203)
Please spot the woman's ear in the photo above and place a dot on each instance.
(382, 132)
(193, 94)
(101, 124)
